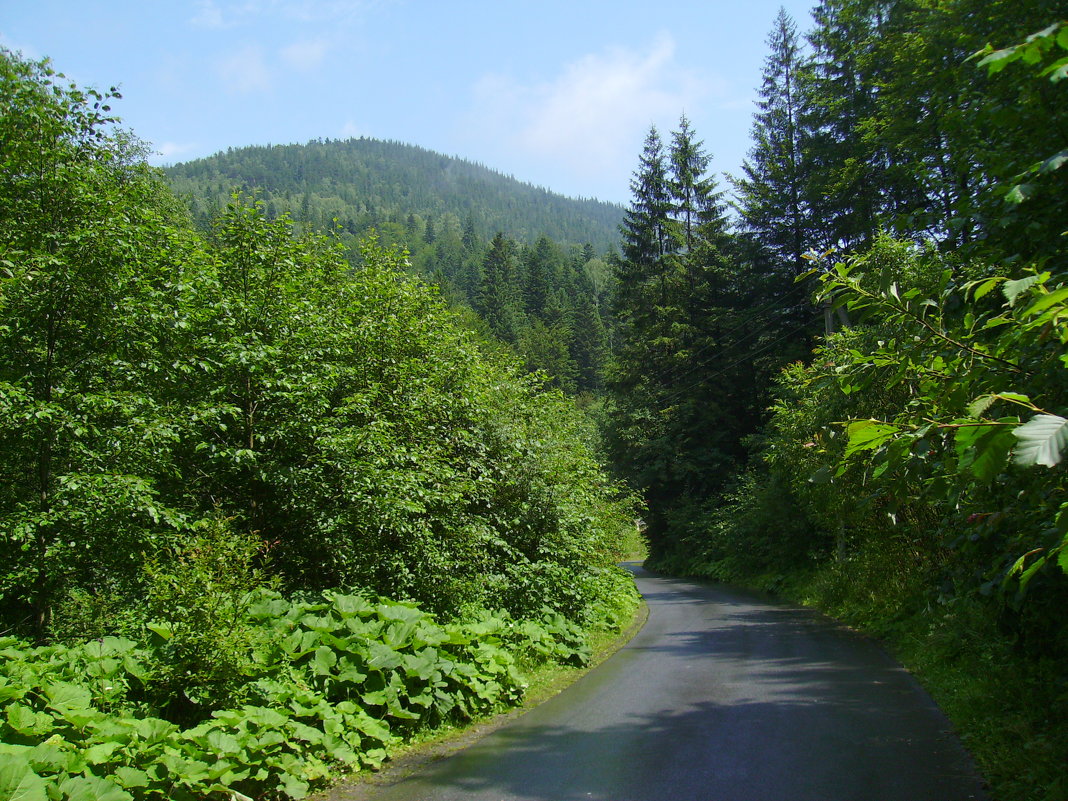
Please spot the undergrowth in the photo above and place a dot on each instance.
(1006, 695)
(328, 684)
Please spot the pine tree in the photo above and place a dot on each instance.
(772, 203)
(647, 222)
(499, 297)
(848, 174)
(693, 193)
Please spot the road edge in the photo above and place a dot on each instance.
(442, 743)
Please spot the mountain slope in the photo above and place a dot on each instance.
(366, 183)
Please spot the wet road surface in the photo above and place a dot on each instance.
(722, 696)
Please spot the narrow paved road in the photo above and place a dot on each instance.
(722, 696)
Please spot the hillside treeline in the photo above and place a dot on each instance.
(529, 264)
(239, 472)
(856, 393)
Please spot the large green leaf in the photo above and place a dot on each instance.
(324, 660)
(18, 782)
(64, 697)
(92, 788)
(983, 450)
(1041, 440)
(867, 435)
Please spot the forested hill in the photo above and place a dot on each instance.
(366, 183)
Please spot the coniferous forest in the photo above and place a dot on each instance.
(306, 449)
(530, 264)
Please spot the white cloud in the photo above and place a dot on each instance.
(209, 15)
(590, 116)
(305, 55)
(217, 14)
(28, 51)
(245, 71)
(350, 130)
(169, 150)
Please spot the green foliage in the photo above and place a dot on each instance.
(527, 281)
(910, 477)
(700, 325)
(985, 384)
(152, 382)
(197, 598)
(389, 186)
(89, 295)
(772, 198)
(334, 683)
(188, 423)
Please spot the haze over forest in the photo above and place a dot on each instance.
(306, 450)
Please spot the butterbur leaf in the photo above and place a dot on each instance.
(92, 788)
(100, 753)
(264, 716)
(64, 697)
(348, 606)
(18, 782)
(24, 720)
(132, 777)
(153, 730)
(1041, 440)
(383, 657)
(222, 743)
(49, 758)
(324, 661)
(294, 787)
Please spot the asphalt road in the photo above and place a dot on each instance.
(722, 696)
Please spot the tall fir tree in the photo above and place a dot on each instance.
(500, 296)
(771, 197)
(848, 173)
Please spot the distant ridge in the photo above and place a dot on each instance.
(366, 183)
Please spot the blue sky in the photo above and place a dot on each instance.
(556, 93)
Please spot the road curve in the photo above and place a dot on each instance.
(723, 696)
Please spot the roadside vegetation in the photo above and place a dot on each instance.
(866, 408)
(265, 512)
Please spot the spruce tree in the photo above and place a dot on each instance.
(848, 174)
(500, 297)
(647, 222)
(693, 193)
(771, 198)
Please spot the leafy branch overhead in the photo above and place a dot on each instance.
(984, 381)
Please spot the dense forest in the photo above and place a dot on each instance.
(301, 446)
(852, 390)
(264, 511)
(364, 183)
(530, 266)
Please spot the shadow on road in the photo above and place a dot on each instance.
(722, 697)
